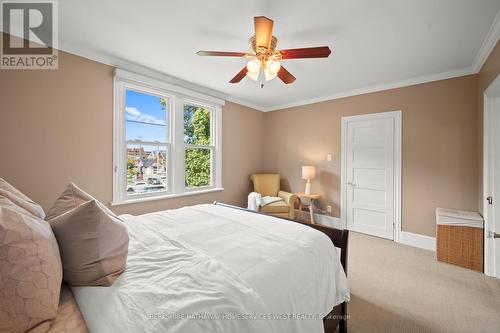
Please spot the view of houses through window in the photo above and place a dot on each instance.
(146, 169)
(147, 138)
(148, 144)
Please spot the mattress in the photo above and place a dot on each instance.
(212, 268)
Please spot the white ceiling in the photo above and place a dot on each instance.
(375, 44)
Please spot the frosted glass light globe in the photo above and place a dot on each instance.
(253, 66)
(273, 66)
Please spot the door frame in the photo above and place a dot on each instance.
(490, 94)
(397, 116)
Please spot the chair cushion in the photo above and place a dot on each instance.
(30, 271)
(266, 184)
(19, 199)
(276, 207)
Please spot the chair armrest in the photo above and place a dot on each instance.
(288, 197)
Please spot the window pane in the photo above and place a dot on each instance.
(196, 125)
(146, 169)
(145, 117)
(198, 164)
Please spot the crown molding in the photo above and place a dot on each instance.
(246, 103)
(482, 55)
(376, 88)
(133, 67)
(488, 45)
(143, 70)
(120, 63)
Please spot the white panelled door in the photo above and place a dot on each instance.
(493, 227)
(491, 184)
(369, 174)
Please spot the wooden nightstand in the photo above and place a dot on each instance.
(311, 197)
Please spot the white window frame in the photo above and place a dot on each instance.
(177, 97)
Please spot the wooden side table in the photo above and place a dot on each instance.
(312, 197)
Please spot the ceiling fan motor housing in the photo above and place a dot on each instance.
(263, 52)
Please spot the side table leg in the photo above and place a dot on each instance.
(300, 209)
(311, 210)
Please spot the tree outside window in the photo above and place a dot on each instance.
(198, 152)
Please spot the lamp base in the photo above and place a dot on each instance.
(308, 187)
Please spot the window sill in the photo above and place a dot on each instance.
(166, 196)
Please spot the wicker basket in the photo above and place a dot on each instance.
(460, 245)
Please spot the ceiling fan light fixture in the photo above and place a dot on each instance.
(271, 69)
(264, 60)
(253, 66)
(273, 66)
(269, 76)
(253, 76)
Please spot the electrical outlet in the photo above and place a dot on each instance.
(328, 209)
(329, 157)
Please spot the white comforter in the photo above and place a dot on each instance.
(209, 268)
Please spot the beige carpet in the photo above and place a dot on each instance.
(397, 288)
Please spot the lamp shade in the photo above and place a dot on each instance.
(308, 172)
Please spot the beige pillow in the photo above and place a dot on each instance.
(18, 198)
(30, 271)
(93, 245)
(71, 198)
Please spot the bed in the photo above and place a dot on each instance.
(221, 268)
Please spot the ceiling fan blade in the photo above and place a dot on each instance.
(285, 76)
(221, 54)
(241, 74)
(307, 52)
(263, 31)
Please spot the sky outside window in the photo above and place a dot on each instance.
(146, 118)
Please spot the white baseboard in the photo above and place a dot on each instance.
(416, 240)
(327, 220)
(406, 238)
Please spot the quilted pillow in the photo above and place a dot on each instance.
(30, 271)
(18, 198)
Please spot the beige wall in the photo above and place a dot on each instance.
(56, 127)
(439, 146)
(486, 76)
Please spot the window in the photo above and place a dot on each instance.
(166, 142)
(146, 133)
(198, 146)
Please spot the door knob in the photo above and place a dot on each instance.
(492, 234)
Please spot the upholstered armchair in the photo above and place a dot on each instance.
(269, 185)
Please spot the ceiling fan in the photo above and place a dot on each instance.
(264, 60)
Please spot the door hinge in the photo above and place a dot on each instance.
(490, 200)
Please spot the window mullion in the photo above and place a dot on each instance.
(199, 146)
(217, 142)
(178, 145)
(146, 143)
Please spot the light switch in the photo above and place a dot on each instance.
(329, 157)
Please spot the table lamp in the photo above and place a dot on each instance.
(308, 173)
